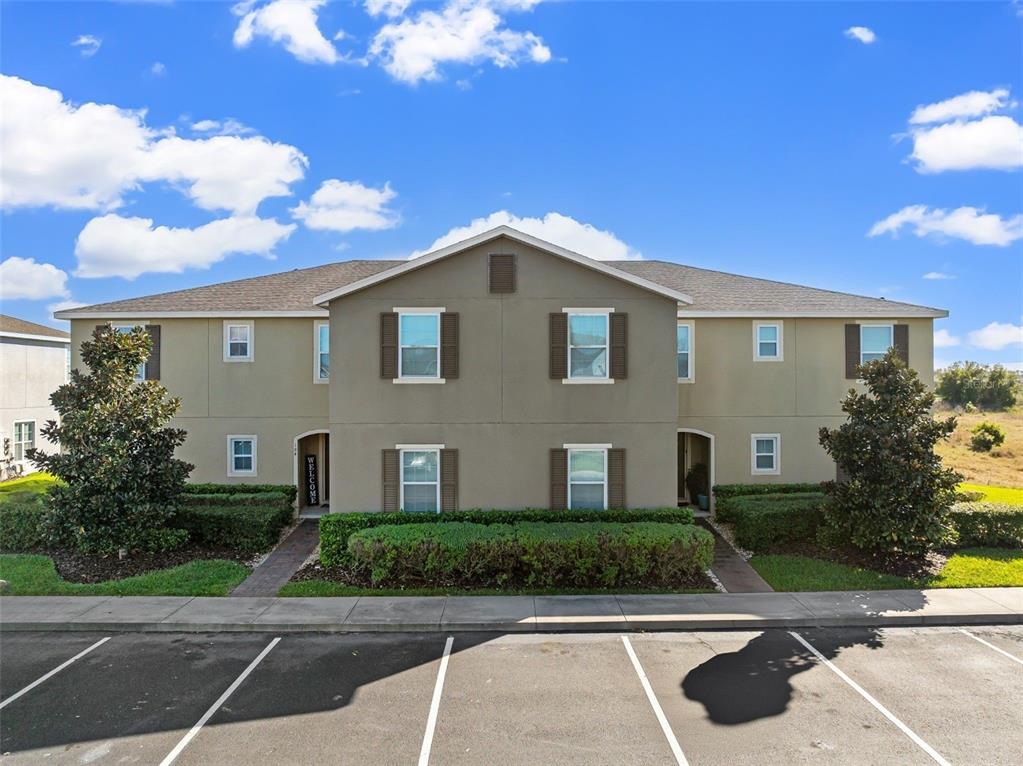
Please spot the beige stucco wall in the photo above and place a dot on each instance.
(30, 370)
(272, 397)
(504, 412)
(733, 396)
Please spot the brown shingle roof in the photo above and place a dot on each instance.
(711, 290)
(24, 327)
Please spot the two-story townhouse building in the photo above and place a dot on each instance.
(508, 372)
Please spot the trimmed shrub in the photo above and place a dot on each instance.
(986, 436)
(737, 490)
(533, 554)
(289, 490)
(763, 522)
(245, 528)
(988, 525)
(195, 499)
(336, 528)
(22, 522)
(970, 496)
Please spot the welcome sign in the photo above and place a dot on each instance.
(312, 484)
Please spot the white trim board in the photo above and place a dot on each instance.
(27, 336)
(487, 236)
(72, 314)
(922, 313)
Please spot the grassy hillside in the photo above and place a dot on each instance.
(1003, 466)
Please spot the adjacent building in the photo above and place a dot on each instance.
(508, 372)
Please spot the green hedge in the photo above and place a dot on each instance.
(21, 522)
(195, 499)
(736, 490)
(245, 528)
(336, 528)
(988, 525)
(290, 490)
(535, 554)
(763, 522)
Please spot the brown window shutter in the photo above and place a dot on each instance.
(153, 363)
(389, 345)
(852, 351)
(616, 478)
(619, 346)
(900, 337)
(391, 500)
(449, 480)
(559, 345)
(559, 479)
(502, 273)
(449, 345)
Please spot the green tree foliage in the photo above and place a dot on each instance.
(990, 388)
(121, 481)
(986, 436)
(895, 499)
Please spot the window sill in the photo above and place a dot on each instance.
(587, 381)
(686, 380)
(321, 381)
(418, 380)
(245, 475)
(233, 359)
(768, 359)
(765, 473)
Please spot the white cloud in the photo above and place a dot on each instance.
(227, 127)
(997, 335)
(346, 206)
(864, 34)
(554, 227)
(967, 223)
(67, 305)
(1013, 366)
(24, 278)
(938, 275)
(390, 8)
(292, 23)
(463, 31)
(90, 156)
(87, 45)
(976, 103)
(159, 69)
(992, 143)
(944, 339)
(113, 246)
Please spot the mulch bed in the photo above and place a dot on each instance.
(79, 567)
(930, 565)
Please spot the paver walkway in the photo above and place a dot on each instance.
(282, 563)
(734, 572)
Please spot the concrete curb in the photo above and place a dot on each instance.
(507, 614)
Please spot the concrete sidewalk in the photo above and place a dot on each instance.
(516, 613)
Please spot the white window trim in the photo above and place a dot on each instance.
(776, 471)
(603, 448)
(227, 343)
(606, 377)
(418, 378)
(756, 342)
(402, 449)
(889, 325)
(230, 454)
(14, 435)
(316, 350)
(133, 326)
(692, 351)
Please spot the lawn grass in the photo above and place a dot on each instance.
(968, 568)
(30, 575)
(1009, 495)
(1002, 466)
(331, 588)
(36, 483)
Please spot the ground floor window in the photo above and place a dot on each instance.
(24, 438)
(241, 455)
(420, 479)
(587, 479)
(765, 457)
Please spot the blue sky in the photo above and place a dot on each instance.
(145, 143)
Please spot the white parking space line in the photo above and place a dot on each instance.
(52, 673)
(431, 720)
(173, 754)
(676, 749)
(991, 646)
(935, 755)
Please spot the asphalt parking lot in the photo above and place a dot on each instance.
(834, 696)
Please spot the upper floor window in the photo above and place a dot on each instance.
(419, 345)
(588, 345)
(875, 340)
(140, 372)
(767, 341)
(321, 361)
(24, 438)
(241, 455)
(420, 479)
(766, 457)
(684, 351)
(587, 478)
(237, 341)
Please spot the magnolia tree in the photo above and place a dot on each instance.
(120, 482)
(895, 494)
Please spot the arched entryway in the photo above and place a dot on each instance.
(695, 448)
(312, 471)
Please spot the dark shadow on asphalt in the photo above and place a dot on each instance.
(755, 682)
